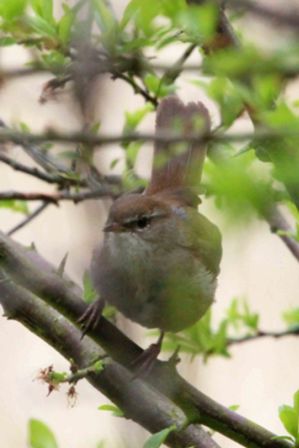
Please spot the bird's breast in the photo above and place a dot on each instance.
(158, 288)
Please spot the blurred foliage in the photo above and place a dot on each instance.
(291, 318)
(289, 417)
(244, 179)
(206, 339)
(235, 78)
(15, 206)
(40, 435)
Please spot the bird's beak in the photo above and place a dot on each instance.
(113, 227)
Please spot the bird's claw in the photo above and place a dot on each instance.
(91, 317)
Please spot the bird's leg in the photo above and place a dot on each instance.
(91, 316)
(143, 364)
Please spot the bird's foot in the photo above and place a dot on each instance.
(91, 316)
(144, 363)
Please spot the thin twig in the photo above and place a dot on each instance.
(280, 226)
(171, 73)
(23, 138)
(28, 218)
(285, 17)
(264, 334)
(137, 88)
(56, 197)
(61, 180)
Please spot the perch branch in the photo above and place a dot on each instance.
(138, 400)
(31, 271)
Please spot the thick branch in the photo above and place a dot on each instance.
(138, 400)
(31, 271)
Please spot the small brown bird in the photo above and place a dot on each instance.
(159, 261)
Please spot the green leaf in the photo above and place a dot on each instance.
(133, 119)
(53, 59)
(65, 25)
(199, 22)
(44, 9)
(15, 205)
(116, 411)
(232, 62)
(173, 8)
(42, 27)
(157, 439)
(132, 150)
(289, 419)
(89, 293)
(47, 10)
(10, 9)
(57, 377)
(228, 96)
(291, 317)
(234, 407)
(104, 15)
(296, 402)
(142, 13)
(40, 435)
(157, 86)
(6, 41)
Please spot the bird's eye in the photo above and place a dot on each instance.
(142, 222)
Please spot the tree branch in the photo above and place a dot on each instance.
(27, 268)
(264, 334)
(289, 19)
(23, 138)
(139, 401)
(56, 197)
(28, 218)
(280, 226)
(45, 176)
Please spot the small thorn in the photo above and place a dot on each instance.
(174, 358)
(62, 264)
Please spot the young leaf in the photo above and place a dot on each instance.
(89, 293)
(291, 317)
(289, 419)
(42, 27)
(65, 25)
(10, 9)
(6, 41)
(199, 22)
(156, 440)
(15, 205)
(40, 435)
(133, 119)
(116, 411)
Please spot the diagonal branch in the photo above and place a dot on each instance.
(28, 269)
(28, 218)
(138, 400)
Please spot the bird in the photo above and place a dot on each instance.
(159, 260)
